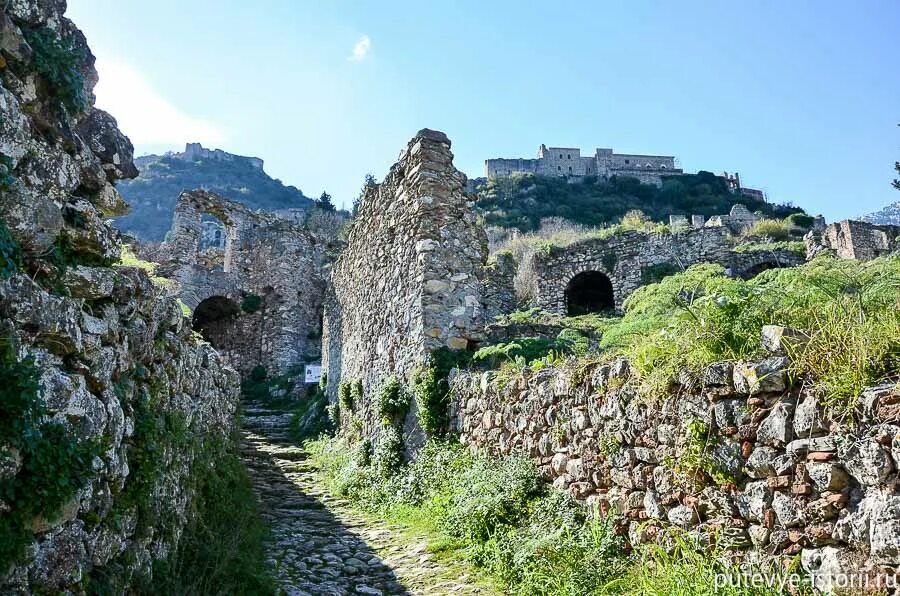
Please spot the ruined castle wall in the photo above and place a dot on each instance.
(100, 353)
(409, 280)
(735, 454)
(632, 259)
(623, 258)
(265, 257)
(859, 240)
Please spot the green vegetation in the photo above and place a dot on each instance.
(654, 273)
(795, 246)
(57, 61)
(773, 229)
(500, 516)
(251, 303)
(127, 258)
(222, 548)
(391, 401)
(432, 391)
(10, 253)
(345, 396)
(54, 463)
(522, 201)
(849, 309)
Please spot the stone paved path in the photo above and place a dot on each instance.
(322, 547)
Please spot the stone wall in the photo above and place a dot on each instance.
(410, 278)
(735, 456)
(499, 286)
(263, 256)
(102, 355)
(851, 239)
(632, 259)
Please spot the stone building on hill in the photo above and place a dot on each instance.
(568, 162)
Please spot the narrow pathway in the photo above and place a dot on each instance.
(320, 545)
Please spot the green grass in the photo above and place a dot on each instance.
(499, 516)
(850, 311)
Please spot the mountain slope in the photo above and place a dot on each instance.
(522, 201)
(890, 215)
(162, 178)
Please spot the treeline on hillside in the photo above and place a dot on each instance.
(522, 201)
(153, 194)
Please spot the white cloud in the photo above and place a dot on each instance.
(361, 49)
(143, 114)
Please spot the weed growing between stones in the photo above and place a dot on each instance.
(391, 401)
(432, 391)
(42, 464)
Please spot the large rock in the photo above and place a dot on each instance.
(776, 428)
(867, 461)
(768, 375)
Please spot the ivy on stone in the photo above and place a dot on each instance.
(42, 464)
(391, 401)
(56, 60)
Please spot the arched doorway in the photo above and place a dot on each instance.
(589, 292)
(751, 272)
(214, 320)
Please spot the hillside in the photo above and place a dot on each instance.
(162, 178)
(889, 215)
(522, 201)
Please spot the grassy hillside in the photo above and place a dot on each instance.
(522, 201)
(152, 195)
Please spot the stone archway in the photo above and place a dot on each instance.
(589, 292)
(757, 268)
(214, 319)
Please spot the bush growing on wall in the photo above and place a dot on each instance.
(56, 60)
(251, 303)
(391, 401)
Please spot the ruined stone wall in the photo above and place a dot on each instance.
(410, 278)
(633, 259)
(101, 354)
(735, 456)
(499, 286)
(858, 240)
(264, 256)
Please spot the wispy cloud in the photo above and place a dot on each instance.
(143, 113)
(361, 49)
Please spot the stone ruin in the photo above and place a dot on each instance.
(256, 296)
(596, 275)
(850, 239)
(410, 278)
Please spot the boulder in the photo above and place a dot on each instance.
(767, 375)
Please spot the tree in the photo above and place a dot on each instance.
(324, 202)
(369, 182)
(896, 181)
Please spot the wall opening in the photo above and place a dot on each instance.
(751, 272)
(589, 292)
(214, 319)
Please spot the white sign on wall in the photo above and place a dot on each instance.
(313, 373)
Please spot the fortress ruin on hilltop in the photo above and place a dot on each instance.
(568, 161)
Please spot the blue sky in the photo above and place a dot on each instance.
(801, 97)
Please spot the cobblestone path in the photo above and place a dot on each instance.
(320, 545)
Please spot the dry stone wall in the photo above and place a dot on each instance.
(736, 457)
(410, 279)
(632, 259)
(93, 356)
(265, 259)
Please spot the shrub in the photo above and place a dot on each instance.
(251, 303)
(432, 390)
(258, 373)
(769, 228)
(800, 220)
(654, 273)
(345, 395)
(391, 401)
(57, 61)
(388, 455)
